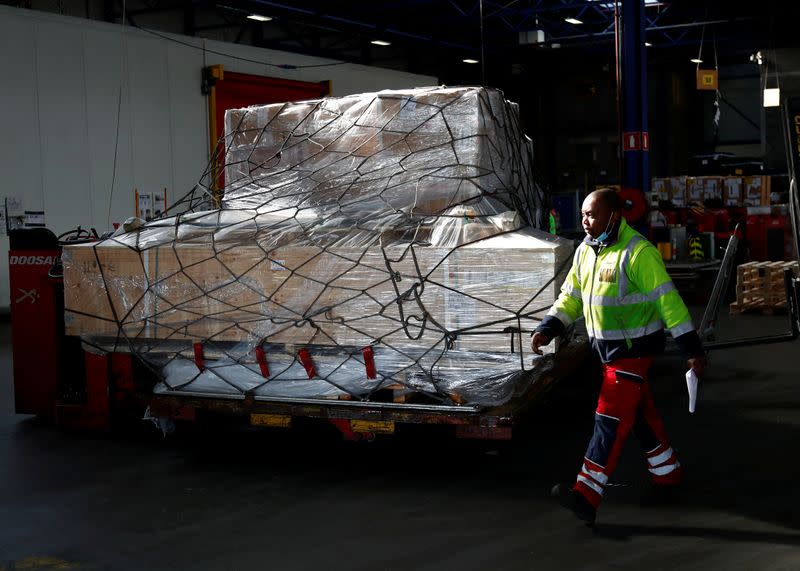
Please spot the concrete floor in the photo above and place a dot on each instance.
(420, 500)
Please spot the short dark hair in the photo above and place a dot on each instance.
(610, 197)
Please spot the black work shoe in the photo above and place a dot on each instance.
(574, 502)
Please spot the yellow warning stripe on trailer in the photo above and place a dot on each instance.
(378, 426)
(274, 420)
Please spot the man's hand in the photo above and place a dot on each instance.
(698, 364)
(538, 340)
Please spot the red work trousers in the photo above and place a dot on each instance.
(625, 404)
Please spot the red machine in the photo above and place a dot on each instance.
(36, 295)
(54, 377)
(769, 237)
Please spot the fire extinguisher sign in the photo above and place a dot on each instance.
(635, 141)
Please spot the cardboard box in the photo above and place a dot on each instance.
(733, 194)
(671, 189)
(694, 189)
(104, 285)
(713, 188)
(757, 190)
(658, 192)
(164, 292)
(702, 188)
(676, 188)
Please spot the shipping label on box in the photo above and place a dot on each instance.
(732, 193)
(756, 190)
(712, 188)
(677, 190)
(694, 189)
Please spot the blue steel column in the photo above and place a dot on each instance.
(634, 97)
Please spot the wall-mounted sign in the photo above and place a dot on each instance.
(151, 205)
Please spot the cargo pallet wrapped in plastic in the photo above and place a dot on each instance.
(374, 241)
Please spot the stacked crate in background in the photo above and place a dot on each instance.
(683, 191)
(760, 286)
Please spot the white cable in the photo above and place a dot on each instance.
(122, 74)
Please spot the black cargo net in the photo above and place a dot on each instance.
(371, 247)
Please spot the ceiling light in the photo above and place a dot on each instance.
(259, 18)
(648, 45)
(573, 21)
(381, 43)
(468, 60)
(696, 60)
(772, 97)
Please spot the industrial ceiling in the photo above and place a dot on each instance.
(436, 36)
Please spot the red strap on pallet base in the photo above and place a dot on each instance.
(369, 361)
(199, 360)
(262, 362)
(305, 359)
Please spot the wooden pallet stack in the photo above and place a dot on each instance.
(760, 287)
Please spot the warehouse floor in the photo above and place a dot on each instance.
(420, 500)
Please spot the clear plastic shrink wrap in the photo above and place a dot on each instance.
(403, 221)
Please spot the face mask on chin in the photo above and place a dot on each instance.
(603, 237)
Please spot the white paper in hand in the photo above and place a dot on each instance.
(691, 385)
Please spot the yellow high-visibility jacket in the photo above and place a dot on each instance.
(623, 291)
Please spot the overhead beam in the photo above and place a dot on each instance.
(650, 29)
(358, 24)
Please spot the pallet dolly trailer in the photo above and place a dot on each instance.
(105, 385)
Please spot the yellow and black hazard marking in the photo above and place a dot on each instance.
(696, 251)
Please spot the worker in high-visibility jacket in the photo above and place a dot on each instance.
(619, 284)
